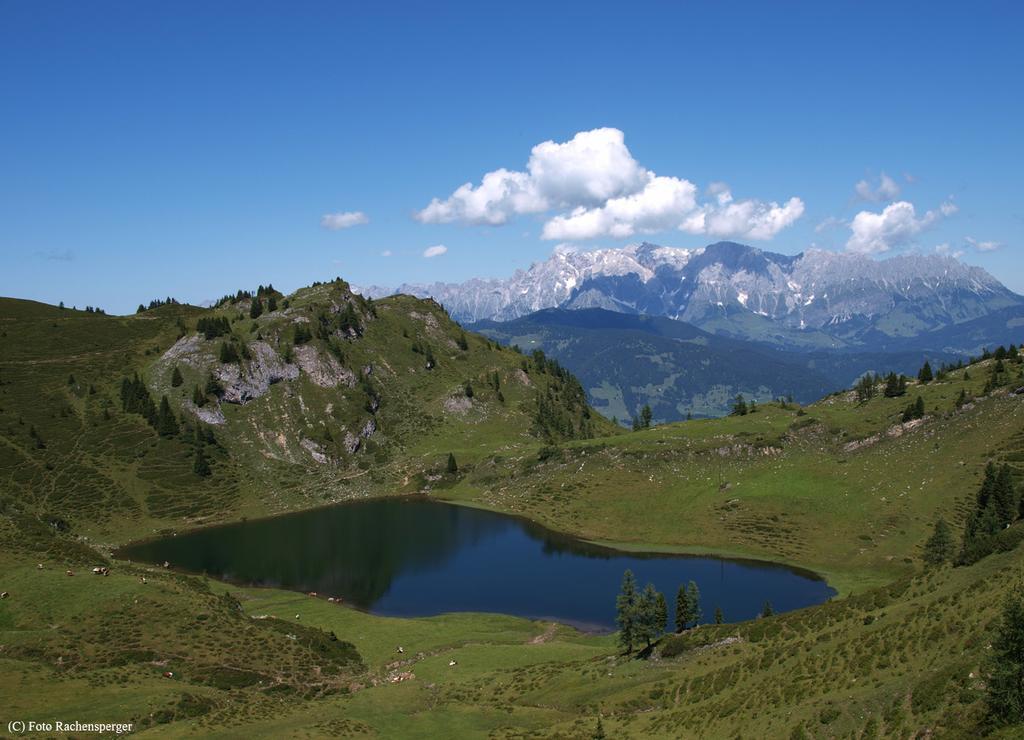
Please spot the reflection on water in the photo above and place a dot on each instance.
(415, 557)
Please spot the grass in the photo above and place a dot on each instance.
(900, 653)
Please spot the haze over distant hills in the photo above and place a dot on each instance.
(625, 361)
(813, 300)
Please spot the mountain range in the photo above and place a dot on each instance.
(625, 361)
(813, 300)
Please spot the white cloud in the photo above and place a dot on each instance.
(981, 246)
(659, 206)
(435, 251)
(343, 220)
(601, 190)
(386, 253)
(887, 190)
(829, 223)
(895, 226)
(946, 250)
(746, 219)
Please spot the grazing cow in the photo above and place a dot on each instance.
(168, 674)
(312, 594)
(167, 564)
(298, 617)
(70, 572)
(451, 663)
(40, 566)
(401, 649)
(4, 595)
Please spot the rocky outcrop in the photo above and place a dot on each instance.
(324, 370)
(458, 404)
(892, 432)
(354, 441)
(186, 351)
(248, 381)
(315, 450)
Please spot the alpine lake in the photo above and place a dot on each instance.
(412, 557)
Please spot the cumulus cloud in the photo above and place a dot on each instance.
(599, 189)
(435, 251)
(981, 246)
(745, 219)
(343, 220)
(947, 251)
(887, 190)
(895, 226)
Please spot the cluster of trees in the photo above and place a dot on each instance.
(1000, 373)
(562, 411)
(643, 421)
(895, 385)
(155, 303)
(740, 407)
(428, 354)
(344, 323)
(642, 616)
(914, 410)
(1005, 665)
(200, 395)
(996, 506)
(212, 327)
(135, 399)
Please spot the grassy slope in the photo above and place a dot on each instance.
(96, 647)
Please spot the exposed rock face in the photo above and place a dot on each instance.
(354, 441)
(315, 450)
(207, 414)
(457, 404)
(324, 370)
(245, 383)
(186, 351)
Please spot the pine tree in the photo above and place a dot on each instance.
(272, 303)
(662, 621)
(924, 375)
(693, 597)
(895, 385)
(213, 386)
(197, 397)
(468, 388)
(939, 547)
(645, 416)
(682, 608)
(176, 379)
(462, 342)
(766, 610)
(647, 615)
(739, 407)
(200, 465)
(1005, 683)
(719, 617)
(453, 468)
(167, 425)
(625, 611)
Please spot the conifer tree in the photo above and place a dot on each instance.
(272, 303)
(176, 379)
(662, 615)
(462, 341)
(647, 615)
(625, 611)
(693, 597)
(255, 308)
(645, 416)
(939, 547)
(1005, 684)
(197, 397)
(739, 407)
(682, 608)
(453, 468)
(766, 610)
(200, 465)
(924, 375)
(167, 425)
(719, 617)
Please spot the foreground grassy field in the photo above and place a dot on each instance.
(841, 487)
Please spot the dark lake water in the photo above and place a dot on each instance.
(414, 557)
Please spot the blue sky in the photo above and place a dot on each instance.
(194, 149)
